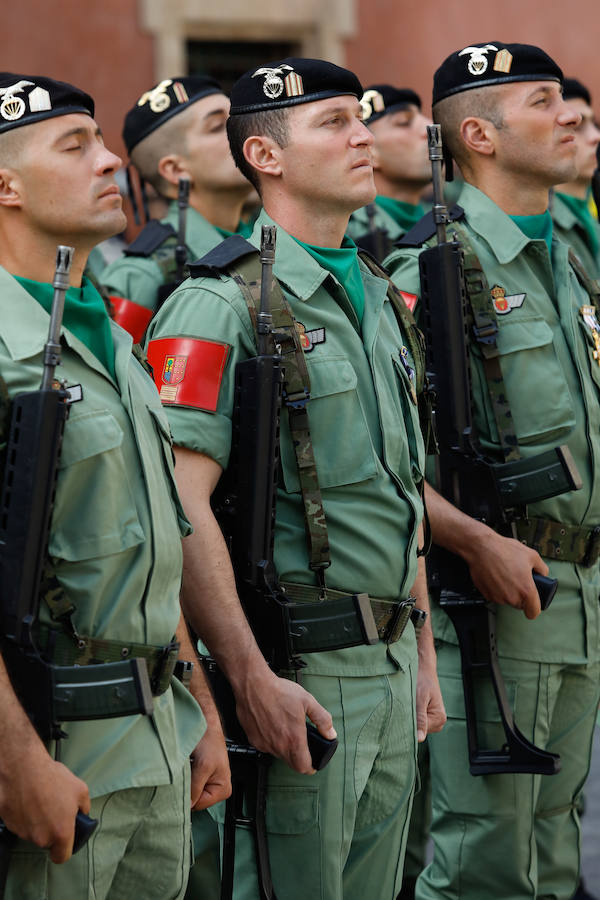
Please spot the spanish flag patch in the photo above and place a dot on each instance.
(188, 371)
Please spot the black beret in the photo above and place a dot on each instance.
(575, 89)
(164, 101)
(382, 99)
(290, 82)
(483, 65)
(25, 99)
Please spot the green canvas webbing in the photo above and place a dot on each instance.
(485, 329)
(247, 275)
(590, 285)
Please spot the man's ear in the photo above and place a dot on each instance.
(263, 154)
(172, 167)
(10, 188)
(478, 135)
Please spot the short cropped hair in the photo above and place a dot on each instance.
(450, 113)
(169, 138)
(271, 123)
(12, 145)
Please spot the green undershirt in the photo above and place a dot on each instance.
(537, 228)
(405, 214)
(342, 262)
(581, 211)
(244, 228)
(85, 315)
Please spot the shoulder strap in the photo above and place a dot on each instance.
(485, 330)
(150, 239)
(591, 285)
(425, 228)
(221, 257)
(247, 274)
(408, 326)
(4, 410)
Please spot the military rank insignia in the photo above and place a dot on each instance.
(503, 304)
(588, 314)
(12, 106)
(274, 84)
(308, 339)
(188, 371)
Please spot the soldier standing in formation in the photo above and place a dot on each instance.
(515, 836)
(401, 168)
(112, 578)
(296, 132)
(177, 130)
(574, 223)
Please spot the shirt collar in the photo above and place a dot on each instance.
(24, 334)
(294, 266)
(504, 237)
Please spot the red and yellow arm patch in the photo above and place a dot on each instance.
(133, 317)
(409, 299)
(188, 371)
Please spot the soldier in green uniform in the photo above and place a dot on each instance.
(296, 132)
(175, 130)
(504, 121)
(400, 167)
(114, 569)
(573, 221)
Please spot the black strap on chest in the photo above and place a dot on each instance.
(150, 239)
(425, 228)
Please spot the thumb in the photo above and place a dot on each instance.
(320, 717)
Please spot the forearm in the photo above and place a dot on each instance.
(209, 596)
(199, 688)
(453, 529)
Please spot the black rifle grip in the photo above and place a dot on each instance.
(84, 829)
(546, 588)
(321, 748)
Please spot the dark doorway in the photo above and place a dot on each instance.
(227, 60)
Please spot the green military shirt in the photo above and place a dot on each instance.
(552, 380)
(115, 535)
(363, 420)
(572, 231)
(360, 223)
(138, 278)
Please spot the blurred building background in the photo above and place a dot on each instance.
(116, 49)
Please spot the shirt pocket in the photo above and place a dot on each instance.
(95, 512)
(537, 389)
(161, 424)
(344, 452)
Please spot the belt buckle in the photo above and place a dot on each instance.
(593, 548)
(398, 621)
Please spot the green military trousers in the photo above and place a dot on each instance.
(511, 837)
(140, 849)
(342, 832)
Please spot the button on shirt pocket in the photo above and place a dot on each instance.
(536, 385)
(95, 512)
(342, 444)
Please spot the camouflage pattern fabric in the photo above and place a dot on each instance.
(554, 540)
(77, 650)
(483, 321)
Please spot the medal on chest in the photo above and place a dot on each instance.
(588, 314)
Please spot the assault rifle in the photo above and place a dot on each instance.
(183, 202)
(50, 695)
(496, 493)
(245, 508)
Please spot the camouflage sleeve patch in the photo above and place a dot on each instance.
(188, 371)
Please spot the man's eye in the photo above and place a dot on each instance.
(74, 147)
